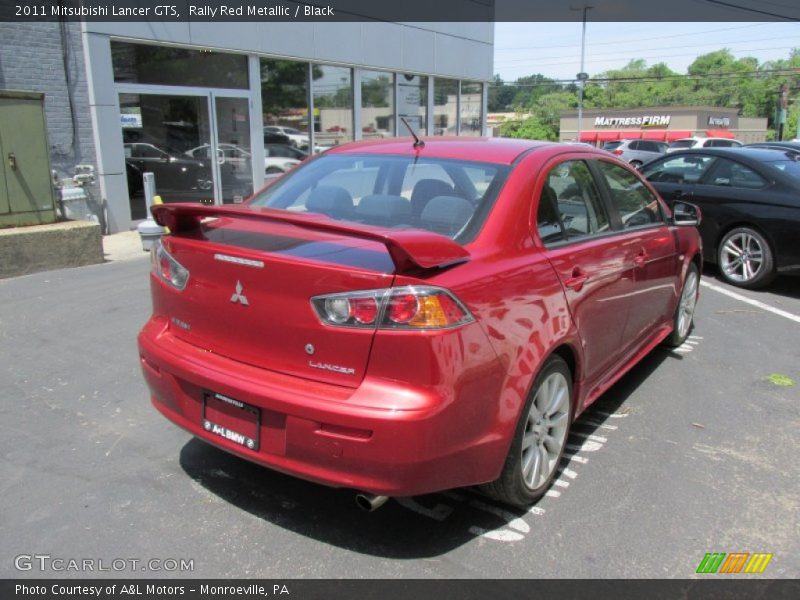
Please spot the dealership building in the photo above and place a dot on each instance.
(662, 123)
(190, 101)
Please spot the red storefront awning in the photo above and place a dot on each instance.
(655, 134)
(721, 133)
(630, 135)
(588, 136)
(606, 136)
(676, 135)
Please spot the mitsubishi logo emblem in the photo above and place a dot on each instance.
(238, 296)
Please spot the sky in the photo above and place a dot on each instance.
(554, 49)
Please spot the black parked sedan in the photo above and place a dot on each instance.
(750, 200)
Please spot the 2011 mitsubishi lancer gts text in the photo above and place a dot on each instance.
(406, 316)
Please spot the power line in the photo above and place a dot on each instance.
(654, 78)
(753, 10)
(627, 41)
(613, 57)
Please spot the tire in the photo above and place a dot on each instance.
(745, 258)
(532, 463)
(636, 164)
(683, 320)
(273, 170)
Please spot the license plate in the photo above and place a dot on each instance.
(231, 419)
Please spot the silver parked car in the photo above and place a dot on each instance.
(636, 152)
(703, 142)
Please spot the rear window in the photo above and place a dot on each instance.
(790, 167)
(449, 197)
(682, 144)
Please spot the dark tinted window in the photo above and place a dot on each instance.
(636, 205)
(635, 145)
(166, 65)
(678, 169)
(577, 200)
(733, 174)
(611, 145)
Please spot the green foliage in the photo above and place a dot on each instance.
(717, 79)
(530, 128)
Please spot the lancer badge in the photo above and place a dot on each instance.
(238, 296)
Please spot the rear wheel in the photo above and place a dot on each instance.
(636, 164)
(684, 313)
(745, 258)
(540, 437)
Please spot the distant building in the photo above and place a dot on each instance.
(664, 123)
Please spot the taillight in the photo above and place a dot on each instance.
(411, 307)
(618, 152)
(166, 268)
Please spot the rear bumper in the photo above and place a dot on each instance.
(383, 437)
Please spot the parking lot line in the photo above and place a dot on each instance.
(758, 304)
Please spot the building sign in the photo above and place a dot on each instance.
(719, 121)
(131, 117)
(645, 121)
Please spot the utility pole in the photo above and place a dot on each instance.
(582, 76)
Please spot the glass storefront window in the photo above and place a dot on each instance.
(470, 108)
(166, 65)
(377, 104)
(445, 106)
(170, 137)
(412, 103)
(333, 105)
(284, 102)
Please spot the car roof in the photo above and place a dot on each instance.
(482, 149)
(747, 152)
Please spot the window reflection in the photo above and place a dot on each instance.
(470, 108)
(333, 105)
(284, 100)
(377, 104)
(445, 103)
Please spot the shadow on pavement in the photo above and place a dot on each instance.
(419, 527)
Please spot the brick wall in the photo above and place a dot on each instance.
(32, 59)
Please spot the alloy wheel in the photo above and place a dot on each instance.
(545, 430)
(742, 257)
(687, 304)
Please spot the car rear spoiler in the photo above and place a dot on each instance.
(409, 249)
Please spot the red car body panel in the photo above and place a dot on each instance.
(423, 410)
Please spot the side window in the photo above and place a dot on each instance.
(577, 200)
(635, 145)
(680, 169)
(733, 174)
(636, 205)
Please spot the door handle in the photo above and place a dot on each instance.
(640, 259)
(12, 161)
(577, 279)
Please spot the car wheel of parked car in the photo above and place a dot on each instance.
(541, 435)
(684, 313)
(273, 170)
(745, 258)
(204, 183)
(636, 164)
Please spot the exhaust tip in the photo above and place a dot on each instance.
(370, 502)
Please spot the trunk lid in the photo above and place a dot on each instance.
(252, 275)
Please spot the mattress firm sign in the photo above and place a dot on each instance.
(643, 121)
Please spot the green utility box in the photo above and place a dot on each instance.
(26, 190)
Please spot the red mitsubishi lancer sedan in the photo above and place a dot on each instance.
(406, 316)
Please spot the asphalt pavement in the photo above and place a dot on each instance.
(694, 451)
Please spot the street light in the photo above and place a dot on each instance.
(582, 76)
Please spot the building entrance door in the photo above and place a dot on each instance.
(196, 144)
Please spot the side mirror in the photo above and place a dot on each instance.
(686, 215)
